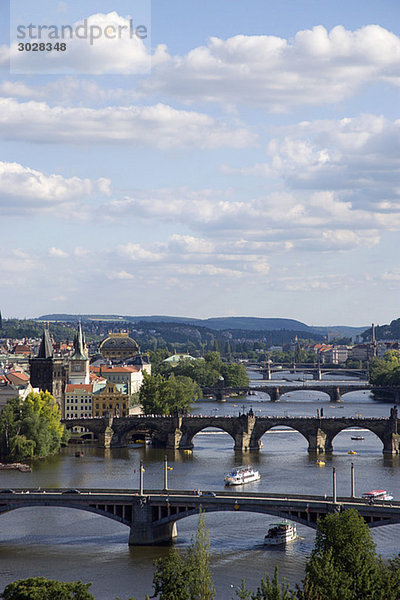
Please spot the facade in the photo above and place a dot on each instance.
(335, 355)
(118, 347)
(131, 377)
(112, 400)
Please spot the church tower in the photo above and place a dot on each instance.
(46, 371)
(79, 361)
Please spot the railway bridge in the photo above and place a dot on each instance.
(246, 430)
(152, 515)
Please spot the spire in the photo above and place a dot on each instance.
(46, 347)
(79, 344)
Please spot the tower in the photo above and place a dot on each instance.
(46, 371)
(79, 361)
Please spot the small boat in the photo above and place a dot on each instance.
(188, 451)
(79, 454)
(24, 468)
(357, 437)
(351, 452)
(320, 463)
(280, 533)
(377, 495)
(242, 475)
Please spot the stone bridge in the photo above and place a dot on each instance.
(335, 392)
(246, 430)
(152, 515)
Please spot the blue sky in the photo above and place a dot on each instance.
(253, 170)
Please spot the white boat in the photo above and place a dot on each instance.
(280, 533)
(241, 475)
(378, 495)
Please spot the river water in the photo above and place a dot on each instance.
(68, 544)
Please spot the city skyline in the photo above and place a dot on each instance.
(252, 171)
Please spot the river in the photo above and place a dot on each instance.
(68, 544)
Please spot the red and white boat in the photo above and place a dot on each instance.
(377, 495)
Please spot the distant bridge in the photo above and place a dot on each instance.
(317, 371)
(275, 390)
(152, 516)
(246, 430)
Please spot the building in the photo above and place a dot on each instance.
(78, 363)
(112, 400)
(130, 376)
(118, 347)
(47, 371)
(334, 355)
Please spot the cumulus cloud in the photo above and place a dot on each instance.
(23, 189)
(316, 67)
(102, 43)
(160, 126)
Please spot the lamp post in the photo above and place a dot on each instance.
(334, 485)
(352, 486)
(141, 471)
(165, 473)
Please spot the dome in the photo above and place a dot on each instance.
(118, 346)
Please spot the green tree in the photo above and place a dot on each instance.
(186, 577)
(164, 396)
(31, 427)
(386, 370)
(172, 577)
(198, 561)
(344, 564)
(40, 588)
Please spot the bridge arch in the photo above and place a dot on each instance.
(358, 429)
(189, 432)
(103, 510)
(280, 430)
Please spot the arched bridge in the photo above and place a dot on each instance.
(335, 392)
(246, 430)
(152, 516)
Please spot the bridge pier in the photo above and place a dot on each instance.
(143, 531)
(391, 444)
(105, 437)
(243, 438)
(275, 395)
(335, 395)
(319, 442)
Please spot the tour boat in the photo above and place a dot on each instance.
(351, 452)
(280, 533)
(320, 463)
(357, 437)
(377, 495)
(242, 475)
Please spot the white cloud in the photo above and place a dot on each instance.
(160, 126)
(121, 275)
(316, 67)
(57, 253)
(24, 189)
(102, 43)
(136, 252)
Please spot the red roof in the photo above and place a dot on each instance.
(115, 369)
(72, 387)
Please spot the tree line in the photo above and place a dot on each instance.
(343, 565)
(386, 370)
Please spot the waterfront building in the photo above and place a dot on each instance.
(130, 376)
(112, 400)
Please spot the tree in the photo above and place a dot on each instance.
(40, 588)
(162, 396)
(386, 370)
(344, 564)
(186, 577)
(171, 579)
(198, 561)
(31, 427)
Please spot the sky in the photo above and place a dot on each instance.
(228, 158)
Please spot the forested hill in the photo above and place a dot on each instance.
(217, 323)
(384, 332)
